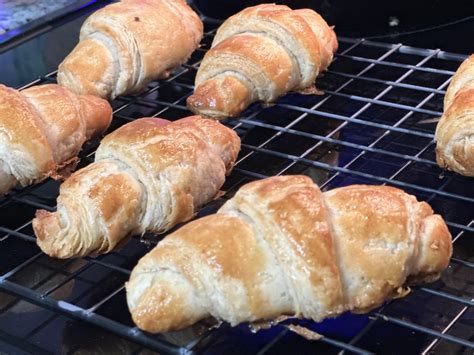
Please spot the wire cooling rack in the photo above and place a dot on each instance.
(374, 125)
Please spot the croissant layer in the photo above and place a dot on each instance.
(43, 129)
(282, 247)
(455, 130)
(125, 45)
(260, 54)
(148, 176)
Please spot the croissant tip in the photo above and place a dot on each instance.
(45, 227)
(39, 222)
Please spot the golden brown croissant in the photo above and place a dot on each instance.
(42, 129)
(126, 45)
(260, 54)
(147, 177)
(281, 247)
(455, 131)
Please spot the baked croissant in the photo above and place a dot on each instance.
(260, 54)
(281, 247)
(126, 45)
(455, 131)
(42, 129)
(147, 177)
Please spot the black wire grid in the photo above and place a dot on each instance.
(373, 125)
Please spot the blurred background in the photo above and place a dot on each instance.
(42, 32)
(447, 21)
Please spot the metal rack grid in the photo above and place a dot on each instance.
(373, 125)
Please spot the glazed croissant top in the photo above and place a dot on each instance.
(125, 45)
(260, 54)
(148, 175)
(42, 129)
(455, 131)
(281, 247)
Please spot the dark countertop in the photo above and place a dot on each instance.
(372, 18)
(36, 53)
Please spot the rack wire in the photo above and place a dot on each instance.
(374, 125)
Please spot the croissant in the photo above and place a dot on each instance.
(455, 131)
(260, 54)
(126, 45)
(281, 247)
(147, 177)
(42, 129)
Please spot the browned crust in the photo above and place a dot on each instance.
(120, 194)
(49, 124)
(226, 95)
(215, 133)
(378, 233)
(135, 41)
(292, 22)
(455, 130)
(326, 35)
(217, 99)
(24, 128)
(463, 75)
